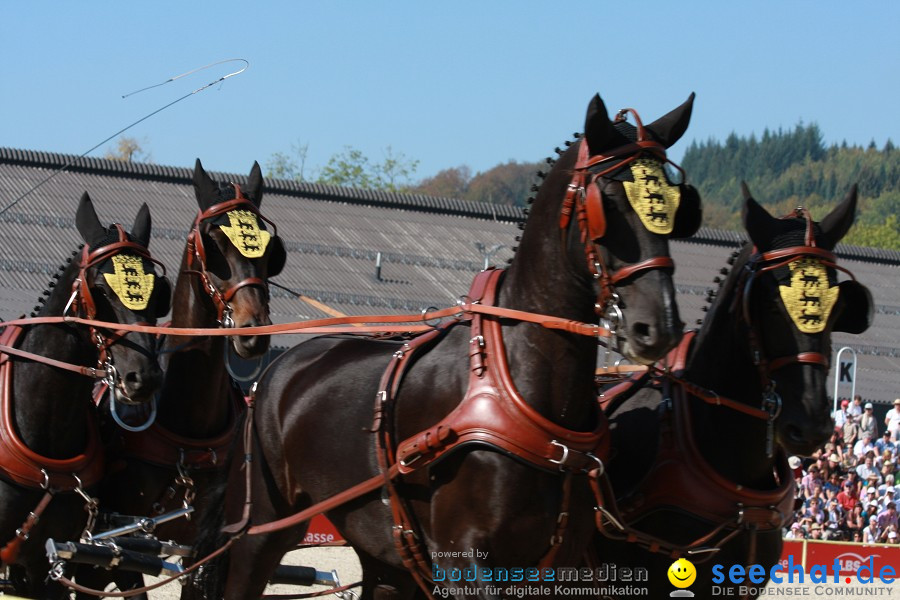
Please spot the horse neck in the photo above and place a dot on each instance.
(196, 390)
(553, 371)
(720, 361)
(51, 406)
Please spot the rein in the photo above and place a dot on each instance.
(332, 325)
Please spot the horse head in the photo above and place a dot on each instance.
(791, 303)
(616, 205)
(235, 254)
(117, 283)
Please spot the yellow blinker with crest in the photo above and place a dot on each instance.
(129, 281)
(246, 234)
(809, 299)
(652, 197)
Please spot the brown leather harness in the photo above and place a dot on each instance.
(160, 446)
(20, 464)
(492, 414)
(681, 479)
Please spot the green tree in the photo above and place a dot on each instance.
(129, 149)
(448, 183)
(282, 165)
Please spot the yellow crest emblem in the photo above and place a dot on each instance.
(245, 233)
(809, 299)
(129, 281)
(652, 197)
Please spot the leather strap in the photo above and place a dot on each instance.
(22, 465)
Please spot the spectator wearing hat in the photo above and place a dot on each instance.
(868, 425)
(795, 532)
(892, 420)
(834, 465)
(870, 505)
(846, 498)
(892, 537)
(887, 498)
(840, 414)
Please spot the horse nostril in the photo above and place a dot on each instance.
(643, 332)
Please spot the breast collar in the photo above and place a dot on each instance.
(494, 414)
(22, 465)
(683, 481)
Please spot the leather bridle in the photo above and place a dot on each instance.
(196, 257)
(585, 199)
(761, 262)
(83, 304)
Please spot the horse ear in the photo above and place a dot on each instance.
(760, 225)
(205, 188)
(837, 223)
(598, 129)
(87, 223)
(689, 215)
(254, 185)
(140, 231)
(669, 128)
(857, 307)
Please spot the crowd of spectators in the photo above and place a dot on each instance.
(847, 488)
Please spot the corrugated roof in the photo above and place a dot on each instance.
(333, 235)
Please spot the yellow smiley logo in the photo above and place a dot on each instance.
(682, 573)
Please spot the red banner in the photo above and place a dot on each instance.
(321, 531)
(850, 556)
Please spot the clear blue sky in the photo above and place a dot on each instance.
(450, 83)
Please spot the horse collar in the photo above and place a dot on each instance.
(23, 466)
(494, 414)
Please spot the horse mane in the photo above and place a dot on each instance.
(42, 307)
(535, 187)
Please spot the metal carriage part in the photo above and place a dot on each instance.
(130, 524)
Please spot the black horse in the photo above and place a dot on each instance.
(701, 465)
(49, 425)
(221, 282)
(582, 245)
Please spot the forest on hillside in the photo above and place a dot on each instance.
(784, 169)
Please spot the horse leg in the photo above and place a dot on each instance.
(384, 582)
(252, 561)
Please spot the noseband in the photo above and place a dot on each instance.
(586, 201)
(82, 301)
(196, 257)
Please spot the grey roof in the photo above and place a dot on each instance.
(333, 235)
